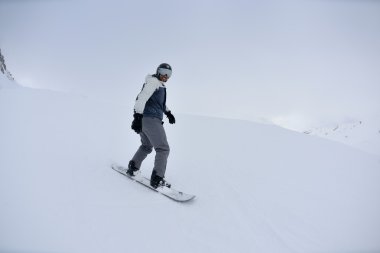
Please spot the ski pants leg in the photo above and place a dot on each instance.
(153, 136)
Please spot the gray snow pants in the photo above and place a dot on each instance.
(153, 136)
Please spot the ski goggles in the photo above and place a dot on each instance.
(164, 72)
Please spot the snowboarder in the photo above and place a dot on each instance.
(148, 115)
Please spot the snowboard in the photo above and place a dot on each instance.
(168, 192)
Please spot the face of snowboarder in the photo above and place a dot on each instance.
(164, 74)
(163, 78)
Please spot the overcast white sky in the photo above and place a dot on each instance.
(297, 62)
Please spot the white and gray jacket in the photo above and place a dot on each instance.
(151, 101)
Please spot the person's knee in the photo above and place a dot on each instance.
(148, 149)
(163, 149)
(167, 149)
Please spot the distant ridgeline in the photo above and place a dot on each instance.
(3, 68)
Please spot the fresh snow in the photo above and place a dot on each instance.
(260, 188)
(362, 134)
(5, 82)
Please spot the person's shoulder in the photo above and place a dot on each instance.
(152, 80)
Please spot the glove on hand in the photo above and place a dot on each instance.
(137, 122)
(170, 117)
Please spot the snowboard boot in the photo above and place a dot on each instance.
(157, 181)
(132, 169)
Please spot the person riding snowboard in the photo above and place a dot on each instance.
(148, 115)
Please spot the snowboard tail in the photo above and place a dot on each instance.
(168, 192)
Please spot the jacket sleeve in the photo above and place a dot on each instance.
(146, 92)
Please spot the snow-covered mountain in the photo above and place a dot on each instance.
(362, 134)
(6, 78)
(260, 188)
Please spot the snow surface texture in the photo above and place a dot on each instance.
(362, 134)
(259, 188)
(5, 82)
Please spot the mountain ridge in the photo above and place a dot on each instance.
(361, 134)
(3, 67)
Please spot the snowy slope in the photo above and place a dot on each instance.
(362, 134)
(259, 188)
(5, 82)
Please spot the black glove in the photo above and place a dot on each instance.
(137, 122)
(170, 117)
